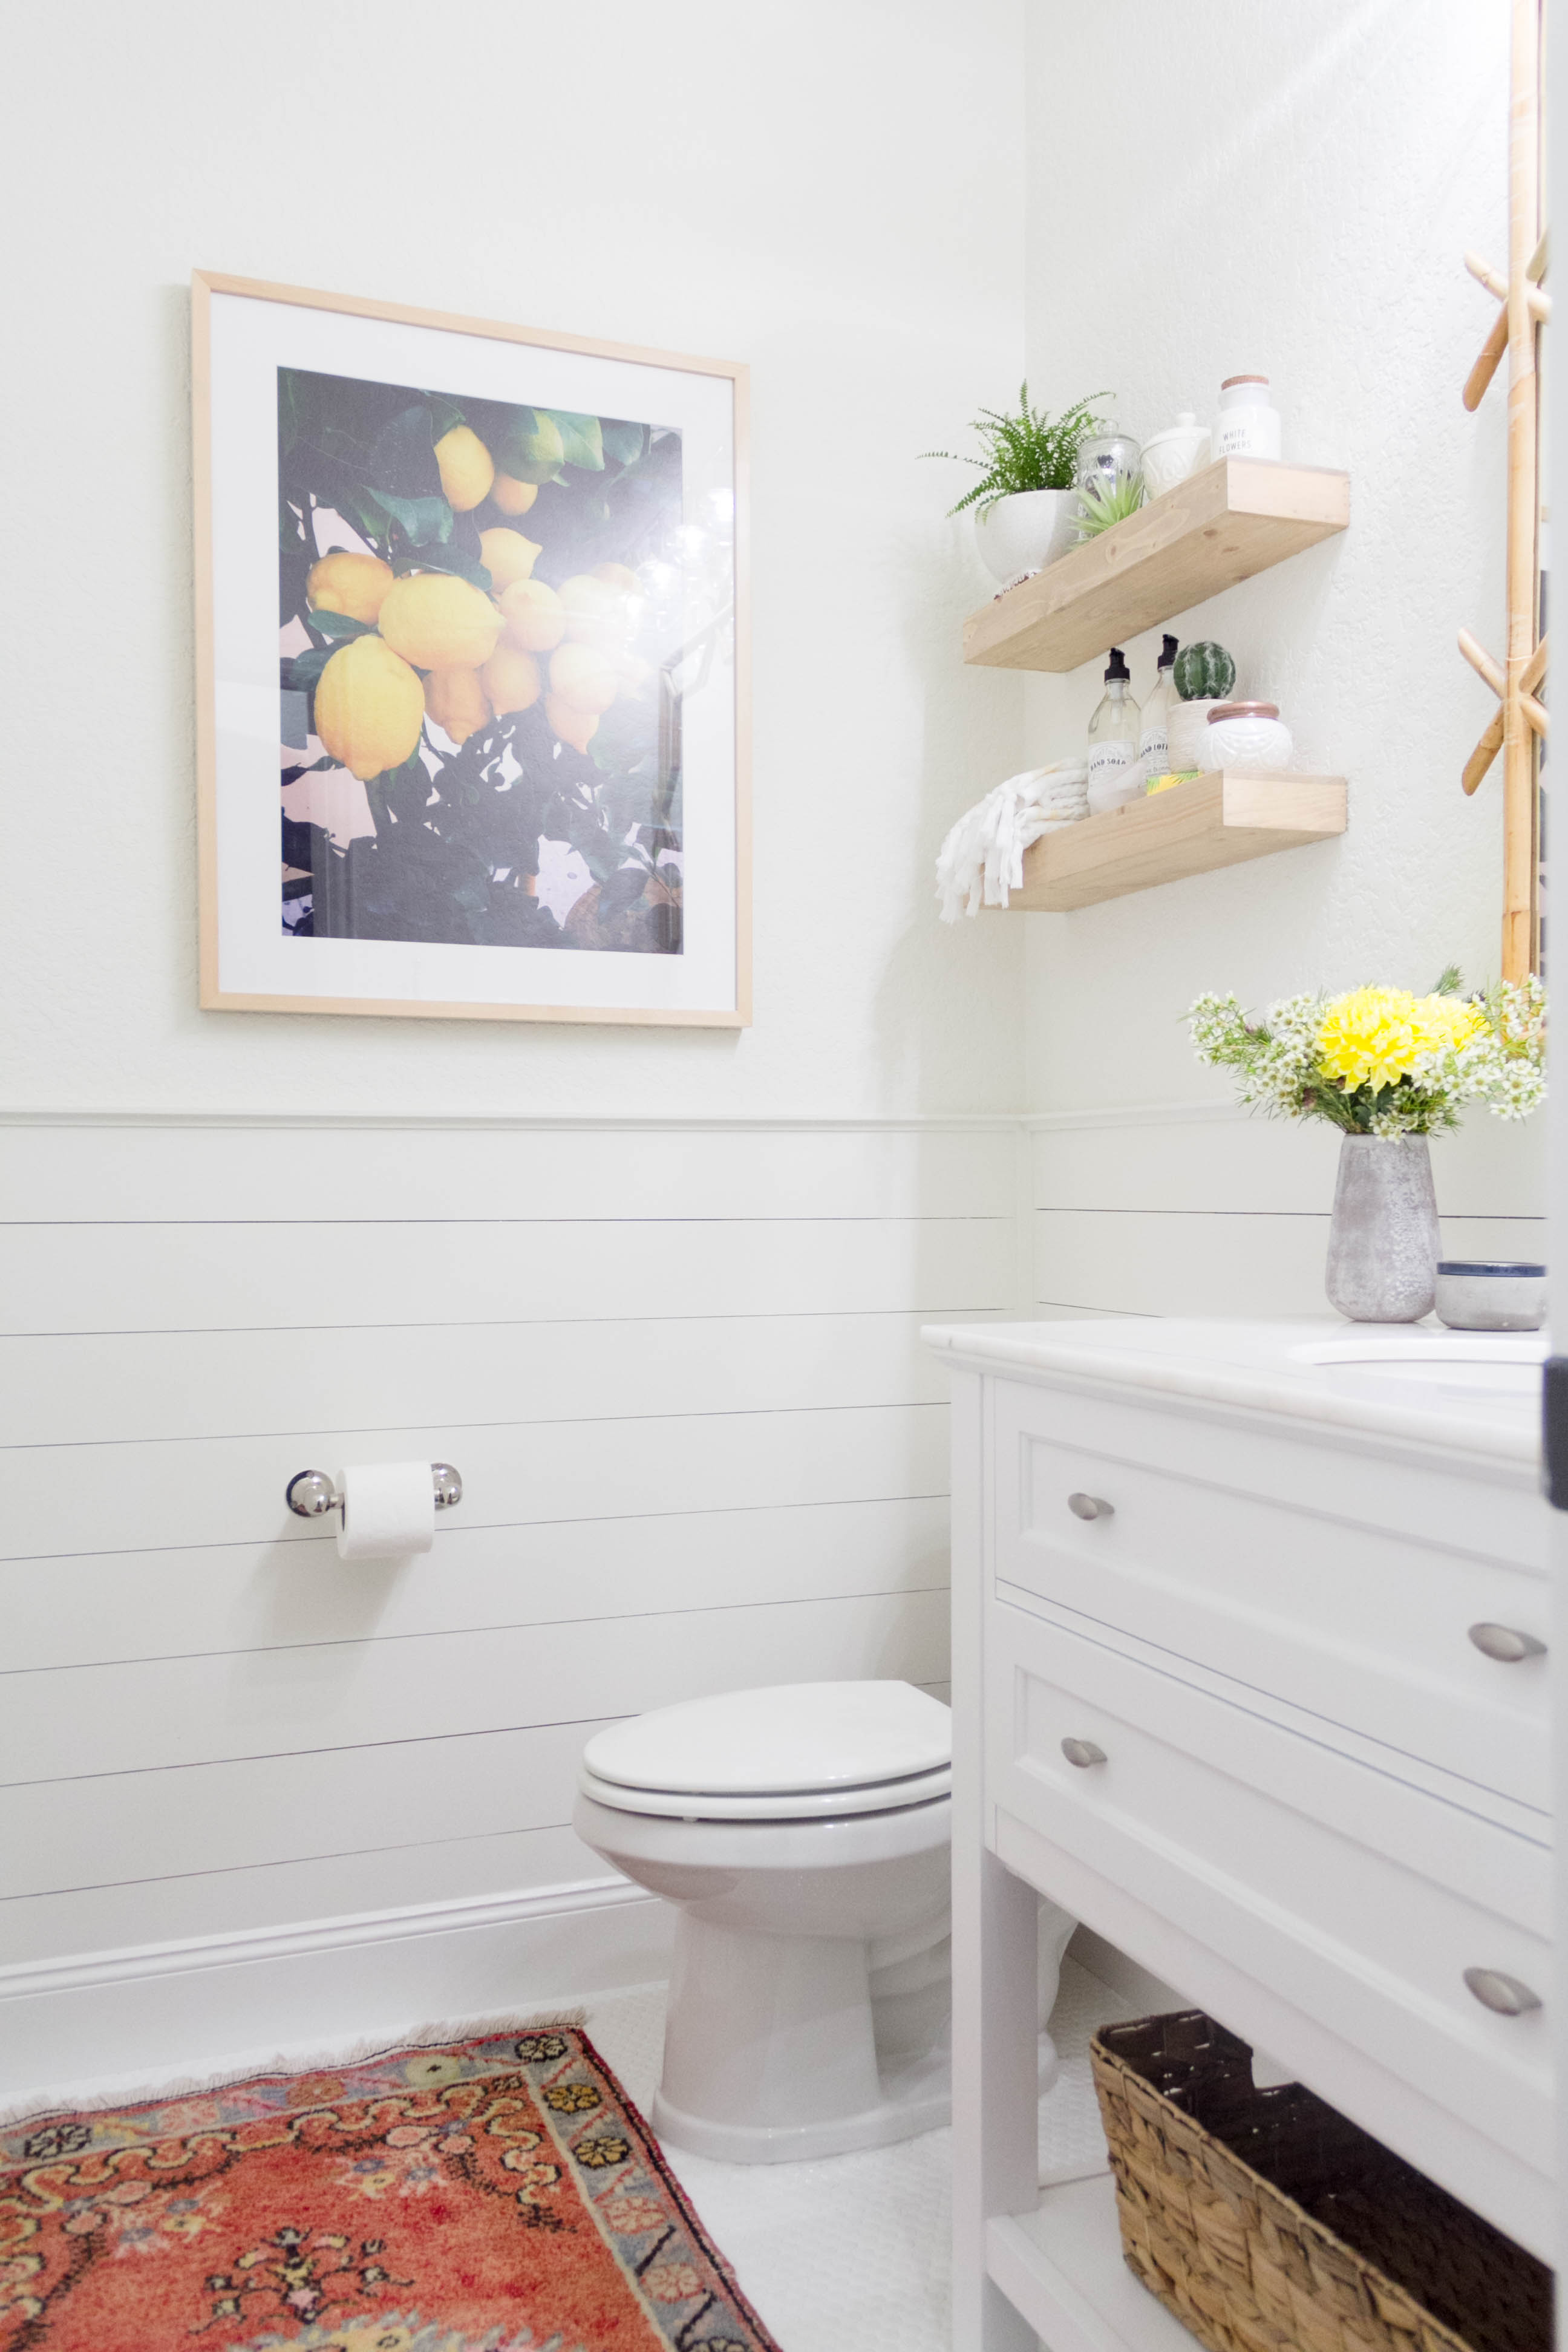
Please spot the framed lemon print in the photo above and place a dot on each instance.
(471, 665)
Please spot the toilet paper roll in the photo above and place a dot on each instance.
(389, 1510)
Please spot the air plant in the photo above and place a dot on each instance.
(1025, 451)
(1108, 501)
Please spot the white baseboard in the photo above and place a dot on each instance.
(185, 2008)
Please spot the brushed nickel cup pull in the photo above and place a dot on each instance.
(1083, 1753)
(1090, 1506)
(1504, 1995)
(1506, 1643)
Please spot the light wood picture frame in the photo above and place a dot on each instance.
(511, 691)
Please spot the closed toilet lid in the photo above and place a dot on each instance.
(794, 1738)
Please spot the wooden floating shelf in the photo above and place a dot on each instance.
(1214, 820)
(1237, 517)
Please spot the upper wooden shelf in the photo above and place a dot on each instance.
(1236, 518)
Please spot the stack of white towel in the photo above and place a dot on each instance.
(983, 857)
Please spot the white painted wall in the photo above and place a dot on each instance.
(830, 189)
(671, 1345)
(1288, 190)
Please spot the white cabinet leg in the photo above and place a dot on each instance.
(996, 2091)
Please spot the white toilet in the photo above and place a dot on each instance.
(802, 1831)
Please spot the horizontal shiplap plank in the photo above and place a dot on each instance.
(1227, 1263)
(104, 1606)
(180, 1170)
(60, 1836)
(67, 1499)
(1150, 1263)
(1491, 1168)
(171, 1386)
(84, 1720)
(250, 1277)
(229, 1902)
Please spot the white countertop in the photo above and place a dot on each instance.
(1478, 1392)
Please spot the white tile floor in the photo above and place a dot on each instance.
(853, 2250)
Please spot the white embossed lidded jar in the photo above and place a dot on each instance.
(1247, 425)
(1168, 458)
(1248, 735)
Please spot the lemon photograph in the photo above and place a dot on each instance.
(505, 631)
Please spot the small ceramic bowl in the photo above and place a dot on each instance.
(1490, 1295)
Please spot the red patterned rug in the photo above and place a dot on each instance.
(498, 2195)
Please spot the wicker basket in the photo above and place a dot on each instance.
(1269, 2222)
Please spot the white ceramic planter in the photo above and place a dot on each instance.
(1025, 531)
(1189, 733)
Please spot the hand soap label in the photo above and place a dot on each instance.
(1113, 752)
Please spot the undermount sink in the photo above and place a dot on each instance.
(1491, 1364)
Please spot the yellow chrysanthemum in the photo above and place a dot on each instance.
(1376, 1036)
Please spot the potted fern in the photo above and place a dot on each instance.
(1026, 507)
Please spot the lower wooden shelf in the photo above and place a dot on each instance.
(1218, 819)
(1061, 2269)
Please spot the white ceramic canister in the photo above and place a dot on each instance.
(1248, 422)
(1168, 458)
(1248, 735)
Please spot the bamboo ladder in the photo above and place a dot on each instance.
(1522, 717)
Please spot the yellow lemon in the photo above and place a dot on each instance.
(512, 497)
(573, 726)
(617, 576)
(370, 708)
(347, 583)
(596, 613)
(507, 556)
(457, 700)
(583, 677)
(438, 622)
(511, 680)
(467, 466)
(534, 618)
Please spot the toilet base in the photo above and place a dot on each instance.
(917, 2097)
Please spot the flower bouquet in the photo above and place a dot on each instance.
(1388, 1069)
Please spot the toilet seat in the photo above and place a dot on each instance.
(794, 1751)
(793, 1805)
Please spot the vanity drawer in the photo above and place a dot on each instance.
(1348, 1893)
(1351, 1621)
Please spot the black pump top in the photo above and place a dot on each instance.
(1168, 655)
(1118, 667)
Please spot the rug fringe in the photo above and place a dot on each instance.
(110, 2092)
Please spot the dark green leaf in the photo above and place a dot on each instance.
(338, 625)
(425, 522)
(306, 668)
(580, 441)
(435, 557)
(623, 444)
(444, 415)
(403, 460)
(290, 529)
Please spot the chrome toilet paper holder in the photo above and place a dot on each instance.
(311, 1494)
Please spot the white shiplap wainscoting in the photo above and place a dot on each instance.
(1203, 1209)
(252, 1796)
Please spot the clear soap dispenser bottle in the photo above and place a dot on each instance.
(1154, 733)
(1112, 738)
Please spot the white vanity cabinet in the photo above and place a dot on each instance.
(1249, 1675)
